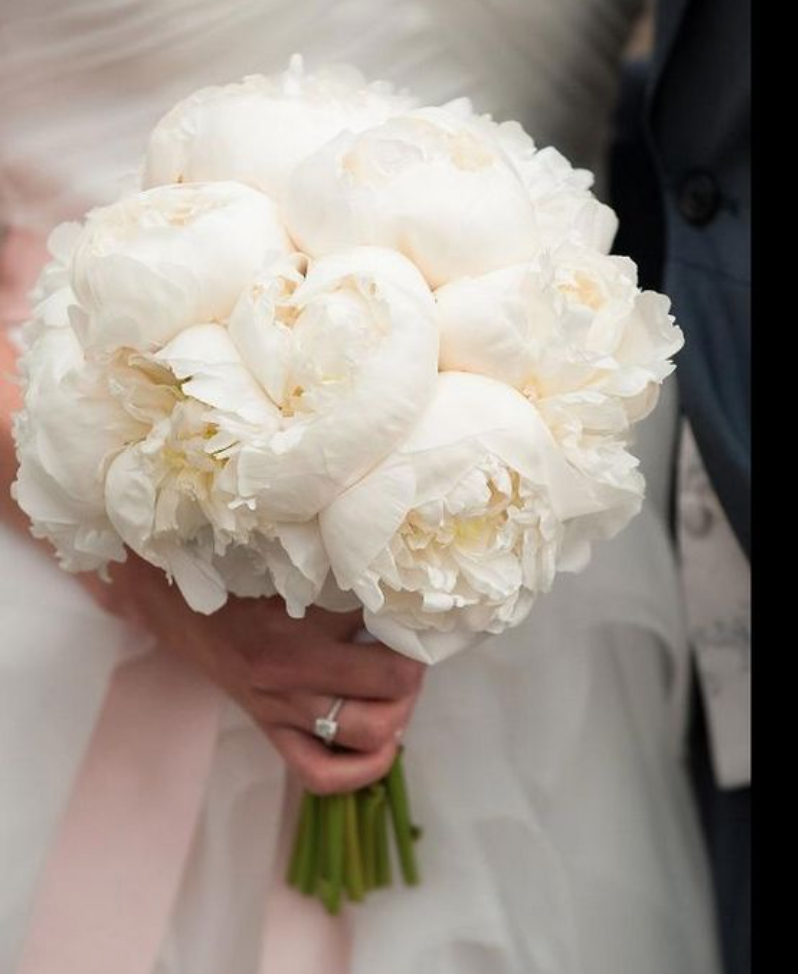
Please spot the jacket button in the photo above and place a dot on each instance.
(698, 197)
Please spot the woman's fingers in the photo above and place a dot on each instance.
(325, 771)
(318, 664)
(363, 725)
(342, 625)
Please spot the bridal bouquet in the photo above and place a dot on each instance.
(351, 351)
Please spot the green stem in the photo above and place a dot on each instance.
(292, 876)
(382, 849)
(366, 845)
(371, 797)
(402, 825)
(334, 852)
(302, 840)
(309, 868)
(353, 860)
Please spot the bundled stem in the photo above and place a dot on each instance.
(367, 801)
(342, 842)
(353, 860)
(403, 827)
(302, 854)
(382, 862)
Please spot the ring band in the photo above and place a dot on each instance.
(327, 727)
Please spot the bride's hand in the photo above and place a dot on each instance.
(284, 672)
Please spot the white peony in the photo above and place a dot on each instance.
(68, 429)
(455, 533)
(152, 264)
(573, 332)
(430, 184)
(348, 353)
(52, 294)
(565, 208)
(65, 437)
(116, 450)
(258, 130)
(172, 493)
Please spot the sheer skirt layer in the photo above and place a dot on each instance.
(82, 83)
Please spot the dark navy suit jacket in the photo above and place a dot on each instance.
(697, 117)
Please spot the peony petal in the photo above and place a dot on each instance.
(303, 545)
(483, 324)
(258, 130)
(364, 348)
(130, 498)
(263, 341)
(416, 540)
(361, 521)
(155, 263)
(426, 646)
(199, 582)
(428, 184)
(207, 359)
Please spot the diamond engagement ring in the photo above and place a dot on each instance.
(327, 727)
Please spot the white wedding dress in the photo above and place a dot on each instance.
(546, 768)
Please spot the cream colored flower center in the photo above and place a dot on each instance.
(178, 426)
(492, 536)
(583, 290)
(179, 207)
(187, 450)
(477, 523)
(467, 152)
(383, 157)
(331, 340)
(282, 290)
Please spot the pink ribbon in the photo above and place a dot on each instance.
(111, 878)
(299, 936)
(110, 881)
